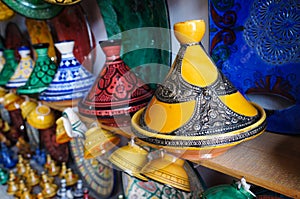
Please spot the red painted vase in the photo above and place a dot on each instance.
(117, 92)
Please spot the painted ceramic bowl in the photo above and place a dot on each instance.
(12, 101)
(169, 170)
(130, 158)
(99, 141)
(196, 109)
(41, 118)
(27, 106)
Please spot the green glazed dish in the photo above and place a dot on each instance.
(9, 66)
(227, 191)
(35, 9)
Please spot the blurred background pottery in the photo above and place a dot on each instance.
(23, 70)
(198, 108)
(43, 72)
(5, 12)
(117, 92)
(2, 59)
(70, 82)
(33, 9)
(9, 66)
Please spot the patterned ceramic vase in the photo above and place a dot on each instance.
(197, 113)
(9, 66)
(71, 80)
(117, 92)
(2, 60)
(42, 74)
(23, 70)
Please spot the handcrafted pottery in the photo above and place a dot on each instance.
(63, 2)
(236, 190)
(98, 178)
(32, 179)
(2, 59)
(196, 109)
(12, 187)
(98, 142)
(41, 118)
(257, 49)
(27, 107)
(168, 169)
(117, 92)
(3, 176)
(9, 66)
(71, 178)
(42, 74)
(49, 190)
(133, 187)
(147, 49)
(72, 24)
(70, 82)
(34, 9)
(23, 69)
(5, 12)
(40, 33)
(130, 158)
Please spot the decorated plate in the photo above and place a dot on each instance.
(257, 45)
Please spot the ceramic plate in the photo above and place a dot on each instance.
(256, 43)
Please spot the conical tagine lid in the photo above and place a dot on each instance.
(196, 108)
(71, 80)
(117, 90)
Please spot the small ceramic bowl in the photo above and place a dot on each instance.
(41, 118)
(27, 106)
(12, 101)
(130, 158)
(98, 142)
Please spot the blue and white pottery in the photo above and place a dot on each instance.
(23, 70)
(71, 80)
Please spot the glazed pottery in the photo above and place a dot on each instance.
(33, 9)
(72, 24)
(41, 118)
(63, 2)
(12, 187)
(117, 92)
(98, 142)
(61, 133)
(3, 176)
(71, 80)
(130, 158)
(75, 127)
(40, 33)
(23, 70)
(42, 74)
(49, 190)
(5, 12)
(236, 190)
(168, 169)
(2, 59)
(98, 178)
(196, 110)
(9, 66)
(257, 49)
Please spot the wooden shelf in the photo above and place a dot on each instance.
(271, 161)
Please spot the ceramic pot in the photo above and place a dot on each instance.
(99, 141)
(70, 82)
(117, 92)
(42, 74)
(41, 118)
(197, 109)
(9, 66)
(23, 69)
(130, 158)
(169, 170)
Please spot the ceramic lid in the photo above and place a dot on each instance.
(35, 9)
(117, 90)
